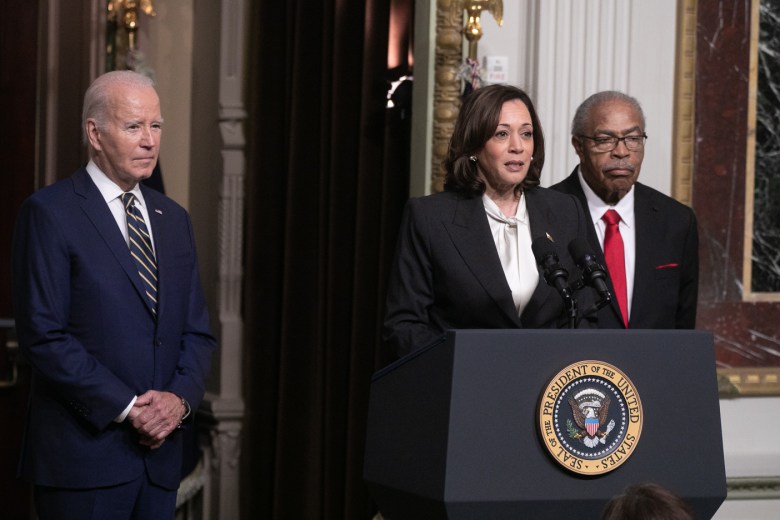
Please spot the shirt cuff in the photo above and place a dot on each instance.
(122, 416)
(187, 410)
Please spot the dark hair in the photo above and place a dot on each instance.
(477, 122)
(647, 502)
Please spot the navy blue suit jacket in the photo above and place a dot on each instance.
(93, 342)
(666, 275)
(447, 273)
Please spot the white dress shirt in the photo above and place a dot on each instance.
(112, 195)
(627, 226)
(512, 236)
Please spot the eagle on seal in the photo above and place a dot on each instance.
(590, 408)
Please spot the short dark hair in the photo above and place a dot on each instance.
(476, 123)
(647, 501)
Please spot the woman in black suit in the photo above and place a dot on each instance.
(464, 258)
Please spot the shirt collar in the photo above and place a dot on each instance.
(107, 188)
(492, 209)
(597, 207)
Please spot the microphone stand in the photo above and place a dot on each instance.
(596, 306)
(571, 310)
(570, 304)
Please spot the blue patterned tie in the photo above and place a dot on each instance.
(141, 248)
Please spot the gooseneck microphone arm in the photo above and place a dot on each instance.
(555, 275)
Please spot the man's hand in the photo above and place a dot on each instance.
(155, 415)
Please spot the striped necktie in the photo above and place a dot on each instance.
(141, 249)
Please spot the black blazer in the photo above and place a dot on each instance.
(666, 275)
(447, 273)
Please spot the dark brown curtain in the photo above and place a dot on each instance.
(19, 48)
(328, 177)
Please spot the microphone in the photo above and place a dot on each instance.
(547, 258)
(594, 274)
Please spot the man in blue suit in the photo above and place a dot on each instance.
(111, 315)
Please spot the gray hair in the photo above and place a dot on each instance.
(583, 113)
(98, 95)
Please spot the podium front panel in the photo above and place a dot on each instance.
(473, 444)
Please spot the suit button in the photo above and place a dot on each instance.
(158, 343)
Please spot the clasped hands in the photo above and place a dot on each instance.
(155, 415)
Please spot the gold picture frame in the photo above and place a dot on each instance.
(750, 166)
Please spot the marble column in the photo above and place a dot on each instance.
(223, 408)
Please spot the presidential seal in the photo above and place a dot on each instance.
(590, 417)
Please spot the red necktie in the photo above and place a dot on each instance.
(616, 260)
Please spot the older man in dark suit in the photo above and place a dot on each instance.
(111, 315)
(647, 240)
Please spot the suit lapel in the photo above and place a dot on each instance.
(97, 211)
(573, 187)
(647, 241)
(543, 223)
(470, 233)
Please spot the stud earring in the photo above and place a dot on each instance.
(473, 158)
